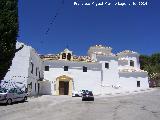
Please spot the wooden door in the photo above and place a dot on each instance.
(61, 87)
(66, 87)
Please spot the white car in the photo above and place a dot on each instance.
(75, 94)
(78, 93)
(9, 96)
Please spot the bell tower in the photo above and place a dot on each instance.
(66, 55)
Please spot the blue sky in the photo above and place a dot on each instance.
(131, 27)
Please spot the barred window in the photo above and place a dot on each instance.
(65, 68)
(107, 65)
(46, 68)
(84, 69)
(138, 83)
(132, 63)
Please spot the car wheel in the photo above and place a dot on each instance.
(9, 101)
(25, 98)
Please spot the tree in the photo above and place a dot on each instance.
(152, 65)
(144, 61)
(8, 33)
(155, 59)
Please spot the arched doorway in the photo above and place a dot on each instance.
(64, 85)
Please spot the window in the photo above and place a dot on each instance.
(84, 69)
(132, 63)
(46, 68)
(65, 68)
(138, 83)
(69, 56)
(35, 87)
(38, 87)
(19, 91)
(29, 87)
(39, 74)
(54, 87)
(36, 71)
(64, 56)
(12, 90)
(32, 65)
(107, 65)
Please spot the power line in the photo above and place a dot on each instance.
(54, 18)
(52, 21)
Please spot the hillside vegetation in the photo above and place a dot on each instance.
(152, 65)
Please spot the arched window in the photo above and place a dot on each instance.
(69, 56)
(132, 63)
(63, 55)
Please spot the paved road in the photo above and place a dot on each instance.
(143, 106)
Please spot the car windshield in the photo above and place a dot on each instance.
(3, 90)
(90, 93)
(87, 93)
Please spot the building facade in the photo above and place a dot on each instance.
(25, 71)
(100, 71)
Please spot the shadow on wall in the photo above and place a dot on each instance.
(45, 88)
(12, 83)
(134, 75)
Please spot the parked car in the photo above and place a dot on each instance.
(75, 94)
(9, 96)
(78, 93)
(87, 96)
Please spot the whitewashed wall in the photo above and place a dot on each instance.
(82, 80)
(18, 72)
(129, 81)
(133, 57)
(45, 87)
(90, 80)
(109, 75)
(32, 77)
(98, 78)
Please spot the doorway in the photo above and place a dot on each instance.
(63, 87)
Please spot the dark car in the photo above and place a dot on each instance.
(87, 96)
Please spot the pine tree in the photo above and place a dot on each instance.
(8, 33)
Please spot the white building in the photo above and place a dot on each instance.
(25, 71)
(60, 74)
(102, 72)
